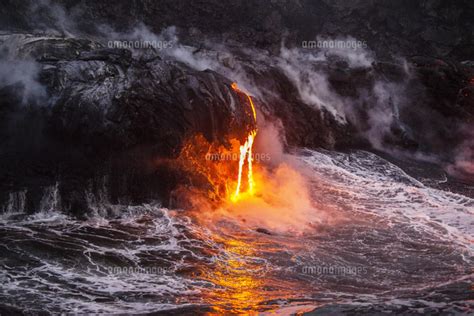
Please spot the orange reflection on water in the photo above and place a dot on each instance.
(238, 289)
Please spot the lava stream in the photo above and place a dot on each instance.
(246, 151)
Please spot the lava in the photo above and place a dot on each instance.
(246, 151)
(254, 112)
(218, 172)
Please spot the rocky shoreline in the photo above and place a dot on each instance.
(93, 119)
(106, 114)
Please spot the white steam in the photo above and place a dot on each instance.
(53, 18)
(463, 164)
(305, 68)
(312, 85)
(22, 71)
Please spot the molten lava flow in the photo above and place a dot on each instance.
(246, 151)
(236, 88)
(250, 158)
(206, 164)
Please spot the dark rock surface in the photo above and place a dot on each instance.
(440, 115)
(428, 102)
(433, 28)
(106, 117)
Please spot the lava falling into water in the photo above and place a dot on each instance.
(246, 151)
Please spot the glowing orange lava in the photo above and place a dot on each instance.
(246, 151)
(212, 166)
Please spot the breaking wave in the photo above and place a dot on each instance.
(387, 242)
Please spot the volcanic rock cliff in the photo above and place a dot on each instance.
(439, 28)
(105, 116)
(84, 124)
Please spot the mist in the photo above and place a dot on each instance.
(21, 71)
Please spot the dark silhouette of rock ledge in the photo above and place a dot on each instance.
(403, 28)
(106, 116)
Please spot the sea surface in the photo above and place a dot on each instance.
(385, 243)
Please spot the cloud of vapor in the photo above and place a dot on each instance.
(282, 202)
(387, 99)
(463, 165)
(379, 102)
(373, 110)
(271, 141)
(313, 86)
(356, 56)
(306, 69)
(140, 36)
(209, 56)
(22, 71)
(53, 18)
(17, 68)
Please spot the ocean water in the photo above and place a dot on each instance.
(383, 242)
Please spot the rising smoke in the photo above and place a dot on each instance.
(374, 109)
(22, 72)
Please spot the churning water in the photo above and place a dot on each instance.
(385, 243)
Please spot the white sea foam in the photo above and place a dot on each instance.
(364, 182)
